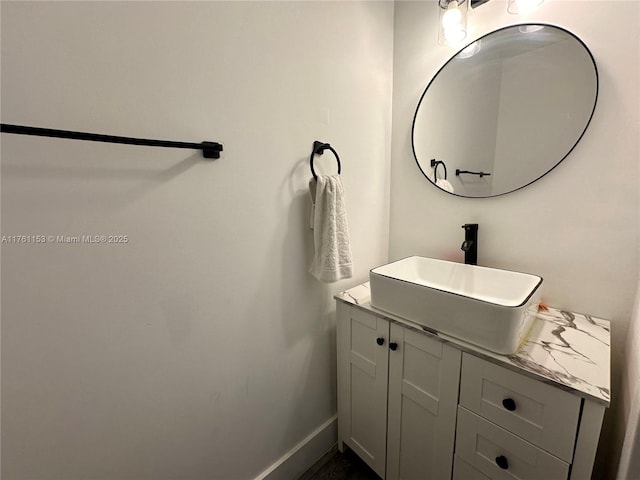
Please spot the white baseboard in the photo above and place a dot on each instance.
(298, 460)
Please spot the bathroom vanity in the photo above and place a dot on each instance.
(417, 404)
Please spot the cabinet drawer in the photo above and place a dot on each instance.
(539, 413)
(499, 454)
(463, 471)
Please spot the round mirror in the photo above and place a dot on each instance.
(505, 110)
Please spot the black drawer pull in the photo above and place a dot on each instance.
(380, 341)
(393, 346)
(502, 462)
(509, 404)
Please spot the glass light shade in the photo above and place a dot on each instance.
(453, 21)
(530, 28)
(523, 6)
(470, 50)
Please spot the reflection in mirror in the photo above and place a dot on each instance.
(505, 110)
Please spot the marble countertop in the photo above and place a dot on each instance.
(565, 349)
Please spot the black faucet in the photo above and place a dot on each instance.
(470, 244)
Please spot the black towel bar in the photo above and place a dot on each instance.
(319, 148)
(481, 174)
(209, 149)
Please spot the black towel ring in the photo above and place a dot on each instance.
(435, 163)
(319, 148)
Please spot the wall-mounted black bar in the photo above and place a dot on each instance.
(482, 174)
(209, 149)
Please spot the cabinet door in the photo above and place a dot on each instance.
(424, 374)
(363, 341)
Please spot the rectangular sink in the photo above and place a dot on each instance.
(488, 307)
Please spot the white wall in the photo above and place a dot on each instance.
(577, 227)
(627, 438)
(444, 116)
(519, 114)
(201, 348)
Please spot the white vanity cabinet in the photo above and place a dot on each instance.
(512, 426)
(397, 396)
(419, 405)
(363, 366)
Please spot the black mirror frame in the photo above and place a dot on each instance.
(595, 102)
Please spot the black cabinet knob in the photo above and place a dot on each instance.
(380, 341)
(509, 404)
(393, 346)
(502, 462)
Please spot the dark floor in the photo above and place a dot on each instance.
(340, 466)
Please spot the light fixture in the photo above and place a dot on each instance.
(453, 21)
(470, 50)
(530, 28)
(452, 18)
(523, 6)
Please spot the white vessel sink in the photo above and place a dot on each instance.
(488, 307)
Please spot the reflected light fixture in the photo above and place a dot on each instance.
(530, 28)
(453, 21)
(523, 6)
(470, 50)
(452, 18)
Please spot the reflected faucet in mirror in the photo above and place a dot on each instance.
(470, 244)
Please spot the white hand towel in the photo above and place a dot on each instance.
(312, 192)
(332, 249)
(444, 185)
